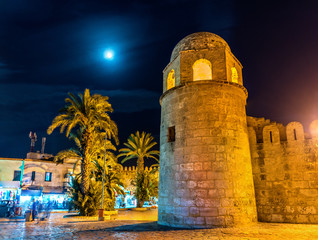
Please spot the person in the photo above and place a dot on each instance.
(11, 207)
(48, 209)
(40, 208)
(34, 205)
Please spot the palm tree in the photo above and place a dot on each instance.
(97, 151)
(147, 186)
(139, 146)
(89, 115)
(113, 179)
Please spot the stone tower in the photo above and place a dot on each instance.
(205, 163)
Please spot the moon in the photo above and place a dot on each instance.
(109, 54)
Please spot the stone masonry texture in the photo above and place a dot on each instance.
(206, 173)
(285, 171)
(223, 167)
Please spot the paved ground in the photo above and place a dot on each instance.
(142, 225)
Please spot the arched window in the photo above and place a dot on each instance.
(202, 70)
(171, 80)
(234, 75)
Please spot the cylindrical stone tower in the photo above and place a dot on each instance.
(205, 163)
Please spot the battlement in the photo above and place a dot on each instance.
(134, 169)
(261, 130)
(285, 170)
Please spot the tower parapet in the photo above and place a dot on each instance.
(205, 166)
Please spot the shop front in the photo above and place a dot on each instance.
(9, 190)
(56, 197)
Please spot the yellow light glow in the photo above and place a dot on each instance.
(202, 70)
(313, 128)
(171, 80)
(234, 75)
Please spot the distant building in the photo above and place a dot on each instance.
(10, 177)
(38, 155)
(43, 177)
(36, 176)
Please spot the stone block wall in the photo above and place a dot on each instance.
(285, 171)
(216, 57)
(130, 174)
(205, 174)
(175, 65)
(232, 61)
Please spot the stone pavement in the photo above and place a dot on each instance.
(142, 225)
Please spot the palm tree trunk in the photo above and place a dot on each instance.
(85, 166)
(140, 203)
(140, 170)
(85, 176)
(140, 165)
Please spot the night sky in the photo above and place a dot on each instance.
(50, 48)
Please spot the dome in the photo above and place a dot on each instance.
(197, 41)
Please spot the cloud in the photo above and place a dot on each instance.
(128, 101)
(5, 70)
(35, 105)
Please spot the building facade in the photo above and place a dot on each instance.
(40, 177)
(10, 177)
(219, 167)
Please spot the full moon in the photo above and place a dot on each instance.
(109, 54)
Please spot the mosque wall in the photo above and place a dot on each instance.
(285, 171)
(213, 158)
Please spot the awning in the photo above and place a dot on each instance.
(9, 184)
(53, 190)
(32, 193)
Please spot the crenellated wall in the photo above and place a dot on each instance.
(130, 174)
(285, 170)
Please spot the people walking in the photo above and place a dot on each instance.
(34, 208)
(48, 209)
(40, 210)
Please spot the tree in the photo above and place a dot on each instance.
(147, 186)
(89, 116)
(89, 203)
(139, 146)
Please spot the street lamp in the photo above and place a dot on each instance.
(101, 210)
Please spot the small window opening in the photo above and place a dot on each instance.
(263, 177)
(33, 176)
(48, 176)
(271, 136)
(171, 134)
(16, 175)
(295, 136)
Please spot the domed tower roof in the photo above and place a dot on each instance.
(197, 41)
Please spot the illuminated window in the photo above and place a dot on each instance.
(202, 70)
(171, 80)
(171, 134)
(234, 75)
(48, 176)
(16, 175)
